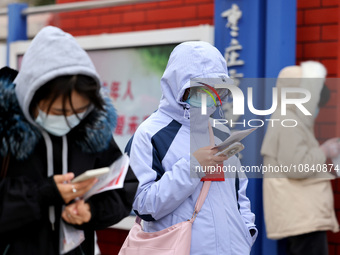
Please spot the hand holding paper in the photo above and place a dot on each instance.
(114, 179)
(227, 149)
(234, 138)
(109, 178)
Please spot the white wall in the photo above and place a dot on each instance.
(34, 24)
(2, 54)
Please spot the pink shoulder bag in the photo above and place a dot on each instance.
(174, 240)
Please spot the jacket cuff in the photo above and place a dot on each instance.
(49, 193)
(253, 233)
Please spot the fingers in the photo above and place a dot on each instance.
(207, 147)
(63, 177)
(206, 156)
(214, 151)
(71, 217)
(71, 191)
(80, 188)
(220, 158)
(217, 159)
(77, 213)
(68, 212)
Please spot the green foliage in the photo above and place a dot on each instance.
(38, 2)
(44, 2)
(156, 57)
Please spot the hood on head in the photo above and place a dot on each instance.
(189, 60)
(309, 75)
(52, 53)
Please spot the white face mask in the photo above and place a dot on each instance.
(196, 100)
(58, 125)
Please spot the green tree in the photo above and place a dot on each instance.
(38, 2)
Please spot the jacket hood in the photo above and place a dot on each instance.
(52, 53)
(309, 75)
(187, 61)
(19, 137)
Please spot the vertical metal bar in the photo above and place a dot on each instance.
(17, 25)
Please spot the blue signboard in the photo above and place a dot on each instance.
(257, 39)
(17, 24)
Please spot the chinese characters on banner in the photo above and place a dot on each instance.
(232, 53)
(126, 125)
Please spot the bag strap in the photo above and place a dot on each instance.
(199, 203)
(205, 188)
(206, 185)
(201, 199)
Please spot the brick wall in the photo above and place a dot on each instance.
(147, 16)
(317, 39)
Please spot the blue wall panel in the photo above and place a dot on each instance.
(17, 24)
(267, 34)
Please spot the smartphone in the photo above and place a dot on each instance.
(232, 149)
(91, 174)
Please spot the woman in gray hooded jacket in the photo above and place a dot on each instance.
(55, 124)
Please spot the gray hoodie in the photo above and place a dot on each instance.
(52, 53)
(30, 203)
